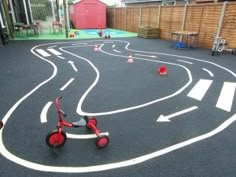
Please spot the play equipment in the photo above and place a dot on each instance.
(162, 70)
(130, 59)
(57, 138)
(1, 124)
(77, 33)
(100, 33)
(219, 46)
(72, 35)
(107, 36)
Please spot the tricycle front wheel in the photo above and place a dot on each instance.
(56, 139)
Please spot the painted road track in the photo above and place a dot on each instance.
(144, 113)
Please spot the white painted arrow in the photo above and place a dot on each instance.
(73, 66)
(163, 118)
(151, 56)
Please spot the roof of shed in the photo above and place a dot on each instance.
(138, 1)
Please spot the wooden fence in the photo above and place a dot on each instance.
(206, 19)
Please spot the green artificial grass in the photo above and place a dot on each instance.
(73, 34)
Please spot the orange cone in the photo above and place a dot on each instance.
(130, 59)
(96, 48)
(162, 70)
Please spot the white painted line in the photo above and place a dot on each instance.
(185, 62)
(114, 165)
(113, 46)
(43, 53)
(150, 56)
(73, 65)
(79, 107)
(61, 57)
(90, 136)
(117, 51)
(52, 46)
(163, 118)
(67, 84)
(107, 42)
(200, 89)
(226, 97)
(43, 115)
(209, 72)
(55, 52)
(78, 43)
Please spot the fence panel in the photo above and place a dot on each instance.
(229, 25)
(201, 18)
(165, 21)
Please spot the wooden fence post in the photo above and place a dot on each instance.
(149, 16)
(140, 16)
(125, 18)
(221, 19)
(184, 17)
(114, 17)
(159, 15)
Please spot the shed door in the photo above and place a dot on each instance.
(91, 15)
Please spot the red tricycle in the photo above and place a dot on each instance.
(57, 138)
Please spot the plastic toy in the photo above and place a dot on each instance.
(57, 138)
(1, 124)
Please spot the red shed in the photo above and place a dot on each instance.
(88, 14)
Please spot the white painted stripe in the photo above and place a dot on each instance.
(78, 43)
(61, 57)
(67, 84)
(185, 62)
(55, 52)
(151, 56)
(116, 51)
(200, 89)
(90, 136)
(52, 46)
(209, 72)
(113, 46)
(43, 53)
(226, 97)
(43, 115)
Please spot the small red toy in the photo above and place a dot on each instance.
(1, 124)
(57, 138)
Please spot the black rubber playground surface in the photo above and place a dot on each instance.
(181, 124)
